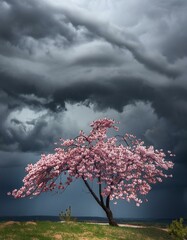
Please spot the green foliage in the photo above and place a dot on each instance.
(66, 216)
(177, 229)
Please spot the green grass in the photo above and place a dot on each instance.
(76, 231)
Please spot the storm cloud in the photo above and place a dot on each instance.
(62, 65)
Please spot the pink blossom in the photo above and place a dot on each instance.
(123, 170)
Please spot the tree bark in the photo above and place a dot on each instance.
(100, 201)
(111, 220)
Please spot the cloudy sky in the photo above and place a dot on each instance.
(66, 63)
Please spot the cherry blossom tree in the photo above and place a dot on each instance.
(122, 166)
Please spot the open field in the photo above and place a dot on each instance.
(76, 231)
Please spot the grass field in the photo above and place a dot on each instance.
(75, 231)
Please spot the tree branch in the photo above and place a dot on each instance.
(108, 201)
(100, 191)
(92, 192)
(123, 139)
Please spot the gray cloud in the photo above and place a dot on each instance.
(30, 19)
(116, 89)
(122, 39)
(62, 67)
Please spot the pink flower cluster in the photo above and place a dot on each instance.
(124, 169)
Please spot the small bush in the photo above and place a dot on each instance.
(66, 216)
(177, 229)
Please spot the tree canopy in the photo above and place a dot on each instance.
(122, 166)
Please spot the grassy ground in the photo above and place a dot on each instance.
(75, 231)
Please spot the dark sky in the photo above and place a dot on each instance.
(66, 63)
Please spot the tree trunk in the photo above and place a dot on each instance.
(100, 201)
(111, 220)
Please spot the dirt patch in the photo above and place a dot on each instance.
(9, 223)
(57, 237)
(30, 223)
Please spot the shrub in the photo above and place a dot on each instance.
(66, 216)
(177, 229)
